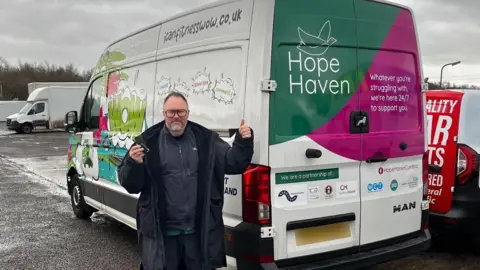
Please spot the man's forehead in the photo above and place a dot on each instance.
(175, 102)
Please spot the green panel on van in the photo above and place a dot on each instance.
(313, 82)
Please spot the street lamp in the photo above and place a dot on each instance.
(441, 70)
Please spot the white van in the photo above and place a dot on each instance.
(333, 92)
(46, 108)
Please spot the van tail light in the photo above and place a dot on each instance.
(256, 195)
(467, 164)
(425, 174)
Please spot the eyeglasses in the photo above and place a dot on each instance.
(171, 113)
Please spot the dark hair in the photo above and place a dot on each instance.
(175, 94)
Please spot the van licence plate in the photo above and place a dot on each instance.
(323, 233)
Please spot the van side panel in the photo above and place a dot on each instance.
(314, 62)
(124, 106)
(204, 56)
(392, 149)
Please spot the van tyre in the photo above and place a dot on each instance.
(80, 208)
(26, 128)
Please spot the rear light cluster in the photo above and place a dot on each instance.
(467, 164)
(425, 174)
(257, 205)
(256, 195)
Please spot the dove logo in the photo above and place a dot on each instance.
(322, 41)
(309, 63)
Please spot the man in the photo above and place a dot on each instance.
(178, 168)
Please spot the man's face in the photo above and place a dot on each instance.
(175, 112)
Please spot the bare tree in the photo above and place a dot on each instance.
(15, 78)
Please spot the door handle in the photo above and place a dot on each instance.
(313, 153)
(101, 145)
(359, 122)
(376, 159)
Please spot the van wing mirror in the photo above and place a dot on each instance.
(71, 120)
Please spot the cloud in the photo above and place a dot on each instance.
(75, 31)
(448, 32)
(78, 31)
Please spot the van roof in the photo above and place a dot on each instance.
(176, 16)
(211, 5)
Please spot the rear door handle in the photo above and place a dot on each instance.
(377, 159)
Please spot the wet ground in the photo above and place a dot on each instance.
(39, 231)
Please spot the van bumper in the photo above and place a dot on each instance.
(243, 242)
(366, 256)
(12, 125)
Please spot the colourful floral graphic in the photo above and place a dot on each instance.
(126, 115)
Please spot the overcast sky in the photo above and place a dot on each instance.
(63, 31)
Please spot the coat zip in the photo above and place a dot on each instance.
(183, 171)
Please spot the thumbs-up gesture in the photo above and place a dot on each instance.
(245, 131)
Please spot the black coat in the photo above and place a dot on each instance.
(216, 158)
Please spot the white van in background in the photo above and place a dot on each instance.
(333, 92)
(46, 108)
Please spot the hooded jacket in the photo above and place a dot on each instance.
(215, 159)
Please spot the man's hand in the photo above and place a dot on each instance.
(245, 130)
(136, 153)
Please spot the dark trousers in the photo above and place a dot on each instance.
(182, 252)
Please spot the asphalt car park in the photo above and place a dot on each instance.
(39, 230)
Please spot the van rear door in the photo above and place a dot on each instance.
(391, 99)
(443, 111)
(314, 191)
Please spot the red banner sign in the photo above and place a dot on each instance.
(443, 110)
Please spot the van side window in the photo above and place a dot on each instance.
(37, 108)
(91, 110)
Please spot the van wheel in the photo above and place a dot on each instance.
(26, 128)
(80, 208)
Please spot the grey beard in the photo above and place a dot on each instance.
(175, 127)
